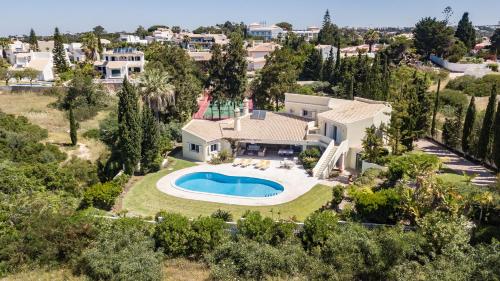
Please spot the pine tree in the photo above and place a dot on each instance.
(215, 79)
(470, 118)
(33, 41)
(235, 69)
(60, 62)
(466, 32)
(73, 126)
(328, 67)
(313, 66)
(485, 135)
(436, 106)
(150, 146)
(129, 130)
(496, 138)
(328, 31)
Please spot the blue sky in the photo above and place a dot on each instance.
(119, 15)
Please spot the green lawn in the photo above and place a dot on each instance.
(145, 199)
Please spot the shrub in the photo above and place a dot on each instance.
(493, 67)
(378, 207)
(309, 157)
(103, 195)
(92, 134)
(482, 86)
(453, 98)
(207, 232)
(337, 195)
(411, 164)
(122, 253)
(172, 234)
(461, 83)
(254, 226)
(223, 215)
(317, 228)
(250, 260)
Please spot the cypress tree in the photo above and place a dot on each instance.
(470, 118)
(436, 106)
(496, 138)
(33, 41)
(466, 32)
(351, 88)
(452, 128)
(235, 69)
(60, 62)
(215, 79)
(485, 135)
(313, 66)
(328, 67)
(150, 146)
(129, 129)
(73, 126)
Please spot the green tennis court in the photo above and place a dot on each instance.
(226, 111)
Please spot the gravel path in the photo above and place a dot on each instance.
(457, 163)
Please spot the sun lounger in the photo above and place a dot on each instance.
(237, 162)
(246, 163)
(260, 164)
(266, 165)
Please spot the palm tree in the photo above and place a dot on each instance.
(91, 46)
(371, 37)
(156, 90)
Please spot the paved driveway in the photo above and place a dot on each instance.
(459, 164)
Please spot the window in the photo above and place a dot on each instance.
(115, 72)
(305, 113)
(213, 147)
(334, 133)
(194, 147)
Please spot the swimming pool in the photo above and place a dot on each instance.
(210, 182)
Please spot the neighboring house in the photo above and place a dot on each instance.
(354, 50)
(309, 34)
(337, 126)
(41, 61)
(256, 54)
(325, 51)
(202, 56)
(200, 42)
(48, 46)
(120, 63)
(105, 42)
(160, 35)
(15, 48)
(132, 39)
(265, 32)
(76, 52)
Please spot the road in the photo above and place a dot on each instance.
(457, 163)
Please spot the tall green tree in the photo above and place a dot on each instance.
(278, 76)
(470, 119)
(156, 90)
(33, 41)
(328, 31)
(466, 32)
(336, 71)
(215, 81)
(485, 135)
(452, 128)
(496, 138)
(312, 66)
(73, 126)
(436, 107)
(235, 69)
(60, 62)
(432, 36)
(150, 145)
(371, 37)
(129, 129)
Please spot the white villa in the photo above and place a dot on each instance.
(310, 33)
(15, 48)
(257, 52)
(160, 35)
(336, 126)
(265, 32)
(120, 63)
(325, 51)
(200, 42)
(40, 61)
(133, 39)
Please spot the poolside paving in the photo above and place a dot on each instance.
(296, 181)
(484, 177)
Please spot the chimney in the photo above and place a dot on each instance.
(245, 107)
(237, 120)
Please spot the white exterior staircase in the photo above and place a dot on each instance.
(329, 158)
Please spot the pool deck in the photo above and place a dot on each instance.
(295, 181)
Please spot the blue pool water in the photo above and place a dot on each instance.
(229, 185)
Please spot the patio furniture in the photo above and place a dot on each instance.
(285, 152)
(262, 152)
(246, 163)
(266, 165)
(237, 162)
(260, 164)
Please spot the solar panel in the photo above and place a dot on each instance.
(258, 114)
